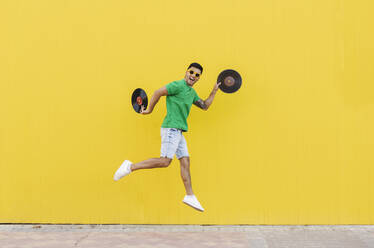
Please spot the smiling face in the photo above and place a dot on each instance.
(192, 76)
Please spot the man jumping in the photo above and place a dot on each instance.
(179, 97)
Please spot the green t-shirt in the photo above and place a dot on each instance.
(178, 103)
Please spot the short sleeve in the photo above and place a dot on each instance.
(173, 88)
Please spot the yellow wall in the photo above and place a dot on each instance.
(293, 146)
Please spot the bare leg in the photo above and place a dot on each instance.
(185, 174)
(151, 163)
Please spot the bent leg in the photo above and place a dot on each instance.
(185, 174)
(151, 163)
(170, 138)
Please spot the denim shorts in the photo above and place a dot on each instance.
(173, 143)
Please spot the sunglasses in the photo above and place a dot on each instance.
(196, 74)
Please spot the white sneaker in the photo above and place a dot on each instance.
(123, 170)
(192, 201)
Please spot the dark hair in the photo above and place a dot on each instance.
(196, 65)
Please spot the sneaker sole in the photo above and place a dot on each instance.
(193, 207)
(120, 177)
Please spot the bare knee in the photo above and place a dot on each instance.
(165, 162)
(185, 162)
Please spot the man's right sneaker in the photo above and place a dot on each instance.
(123, 170)
(192, 201)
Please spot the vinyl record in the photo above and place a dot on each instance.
(139, 98)
(230, 81)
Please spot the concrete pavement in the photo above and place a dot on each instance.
(166, 236)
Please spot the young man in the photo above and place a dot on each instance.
(179, 97)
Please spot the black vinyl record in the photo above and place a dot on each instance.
(139, 98)
(230, 81)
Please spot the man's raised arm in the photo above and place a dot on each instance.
(205, 104)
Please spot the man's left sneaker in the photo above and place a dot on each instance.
(123, 170)
(192, 201)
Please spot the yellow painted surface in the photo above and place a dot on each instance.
(293, 146)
